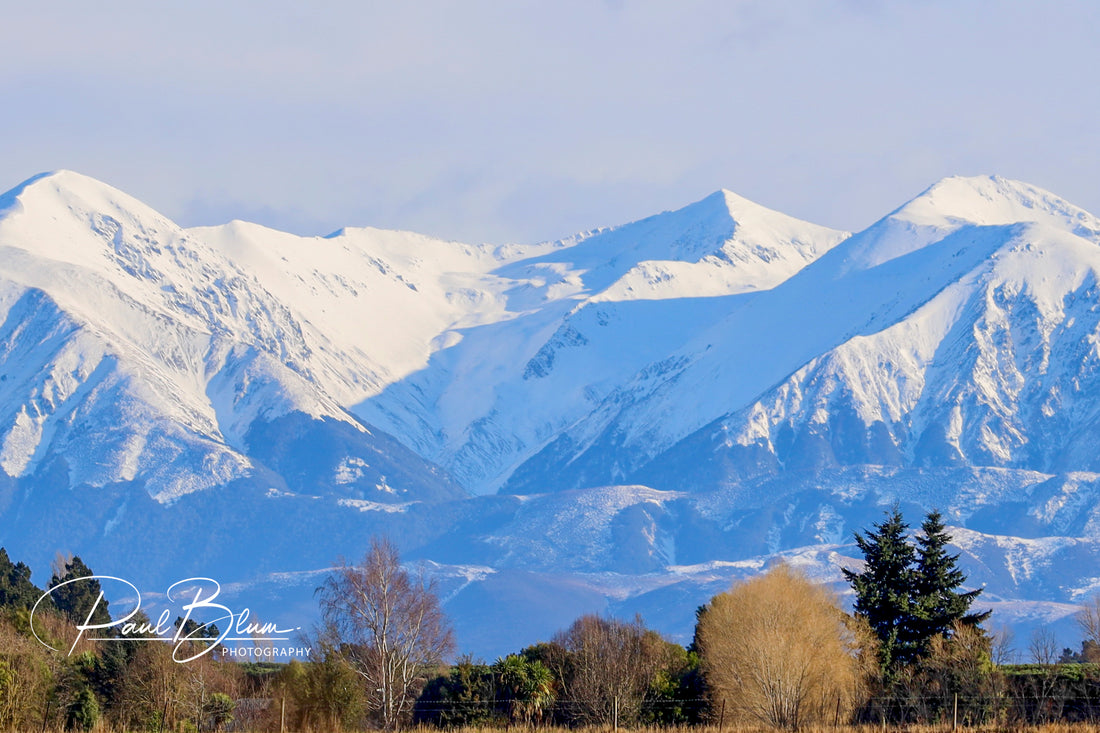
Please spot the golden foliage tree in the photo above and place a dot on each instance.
(779, 650)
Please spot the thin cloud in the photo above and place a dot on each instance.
(522, 121)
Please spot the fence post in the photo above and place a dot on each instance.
(955, 714)
(46, 715)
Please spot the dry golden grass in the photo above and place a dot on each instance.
(727, 728)
(742, 728)
(731, 728)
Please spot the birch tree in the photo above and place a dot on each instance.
(388, 627)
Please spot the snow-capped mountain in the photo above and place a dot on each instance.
(133, 350)
(584, 319)
(622, 420)
(959, 330)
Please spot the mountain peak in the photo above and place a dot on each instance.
(719, 245)
(66, 191)
(988, 200)
(957, 202)
(60, 180)
(732, 209)
(10, 200)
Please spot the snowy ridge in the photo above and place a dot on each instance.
(961, 342)
(215, 329)
(584, 318)
(199, 349)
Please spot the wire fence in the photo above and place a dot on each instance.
(917, 712)
(967, 710)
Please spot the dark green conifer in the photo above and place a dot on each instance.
(938, 601)
(16, 589)
(76, 600)
(883, 589)
(909, 593)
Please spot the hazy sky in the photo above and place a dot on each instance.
(523, 121)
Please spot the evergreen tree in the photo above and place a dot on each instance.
(463, 697)
(217, 711)
(76, 600)
(196, 632)
(938, 601)
(16, 588)
(910, 593)
(883, 590)
(526, 686)
(83, 712)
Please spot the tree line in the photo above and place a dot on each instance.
(128, 683)
(776, 649)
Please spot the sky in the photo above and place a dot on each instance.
(515, 121)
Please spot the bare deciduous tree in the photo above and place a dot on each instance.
(1088, 620)
(1002, 651)
(610, 665)
(387, 625)
(1043, 686)
(1043, 646)
(957, 664)
(778, 650)
(154, 690)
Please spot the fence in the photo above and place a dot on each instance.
(951, 711)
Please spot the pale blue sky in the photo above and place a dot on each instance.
(524, 121)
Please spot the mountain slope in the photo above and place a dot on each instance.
(136, 351)
(584, 318)
(956, 338)
(185, 343)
